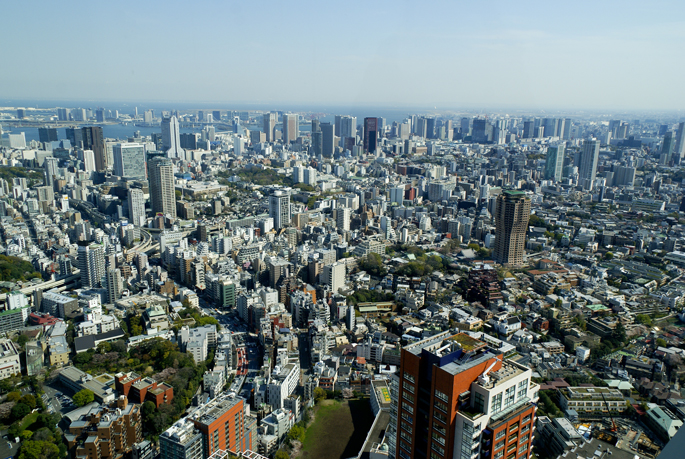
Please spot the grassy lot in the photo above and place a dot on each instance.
(28, 420)
(339, 429)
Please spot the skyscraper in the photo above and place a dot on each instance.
(270, 126)
(343, 218)
(171, 137)
(290, 128)
(555, 162)
(370, 134)
(91, 262)
(317, 143)
(511, 219)
(88, 159)
(587, 169)
(47, 134)
(51, 170)
(348, 126)
(129, 160)
(667, 145)
(94, 140)
(162, 195)
(279, 208)
(679, 151)
(459, 397)
(113, 285)
(327, 140)
(136, 206)
(74, 136)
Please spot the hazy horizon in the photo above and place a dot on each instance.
(444, 56)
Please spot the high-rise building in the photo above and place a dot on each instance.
(397, 194)
(348, 127)
(333, 276)
(222, 425)
(91, 262)
(270, 126)
(343, 218)
(371, 134)
(566, 135)
(291, 128)
(679, 151)
(47, 134)
(74, 136)
(624, 176)
(327, 140)
(63, 114)
(162, 195)
(93, 139)
(136, 206)
(472, 403)
(51, 170)
(511, 219)
(317, 143)
(587, 169)
(181, 441)
(555, 162)
(113, 285)
(216, 115)
(279, 208)
(88, 158)
(667, 145)
(171, 137)
(129, 160)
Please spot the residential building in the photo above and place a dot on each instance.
(511, 219)
(162, 193)
(181, 441)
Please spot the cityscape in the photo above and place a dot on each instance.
(313, 230)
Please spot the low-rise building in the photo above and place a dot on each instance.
(101, 386)
(9, 359)
(591, 400)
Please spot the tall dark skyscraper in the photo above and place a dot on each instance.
(370, 134)
(587, 169)
(430, 128)
(47, 134)
(317, 143)
(511, 224)
(162, 195)
(327, 139)
(75, 136)
(94, 140)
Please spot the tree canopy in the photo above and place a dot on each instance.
(83, 397)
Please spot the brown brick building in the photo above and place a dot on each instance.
(139, 390)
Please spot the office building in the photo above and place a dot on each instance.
(181, 441)
(348, 127)
(129, 161)
(327, 140)
(113, 285)
(587, 169)
(51, 170)
(269, 124)
(74, 136)
(668, 145)
(47, 134)
(679, 151)
(63, 114)
(371, 134)
(279, 208)
(171, 137)
(333, 276)
(511, 224)
(88, 158)
(472, 401)
(93, 139)
(91, 262)
(343, 218)
(222, 425)
(291, 128)
(136, 207)
(162, 194)
(555, 162)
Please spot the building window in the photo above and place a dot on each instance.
(439, 395)
(435, 455)
(500, 434)
(496, 404)
(525, 438)
(526, 419)
(406, 417)
(479, 402)
(408, 397)
(405, 436)
(523, 447)
(438, 438)
(406, 427)
(441, 406)
(408, 387)
(523, 388)
(499, 455)
(407, 407)
(499, 445)
(409, 377)
(513, 427)
(440, 429)
(509, 396)
(404, 455)
(440, 417)
(511, 448)
(438, 448)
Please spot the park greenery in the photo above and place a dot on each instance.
(13, 269)
(369, 296)
(83, 397)
(32, 176)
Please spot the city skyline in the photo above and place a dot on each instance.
(580, 56)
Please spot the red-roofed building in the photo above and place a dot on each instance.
(43, 319)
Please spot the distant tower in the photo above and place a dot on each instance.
(279, 208)
(162, 195)
(680, 142)
(270, 126)
(555, 162)
(171, 137)
(667, 145)
(327, 140)
(94, 140)
(51, 170)
(370, 134)
(136, 206)
(113, 285)
(290, 128)
(511, 219)
(343, 218)
(91, 262)
(129, 160)
(587, 169)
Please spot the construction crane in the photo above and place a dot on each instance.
(613, 424)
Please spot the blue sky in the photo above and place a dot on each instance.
(449, 55)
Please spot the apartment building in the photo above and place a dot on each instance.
(591, 400)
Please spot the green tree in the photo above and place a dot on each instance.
(83, 397)
(319, 394)
(20, 410)
(661, 342)
(643, 319)
(296, 433)
(280, 454)
(608, 256)
(29, 400)
(39, 450)
(14, 396)
(22, 340)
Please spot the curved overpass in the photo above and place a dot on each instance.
(61, 284)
